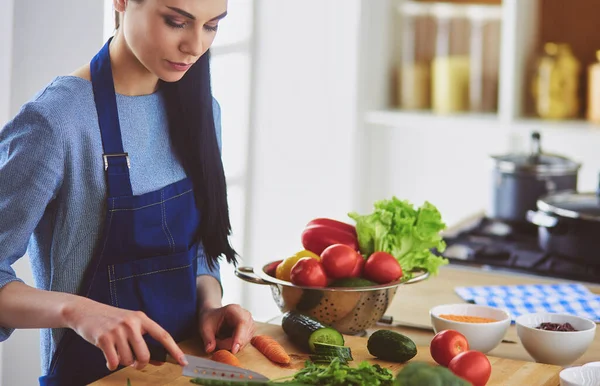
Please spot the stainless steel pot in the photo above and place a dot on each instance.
(520, 179)
(350, 310)
(569, 225)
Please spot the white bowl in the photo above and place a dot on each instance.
(580, 376)
(481, 336)
(555, 347)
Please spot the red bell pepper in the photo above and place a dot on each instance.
(323, 232)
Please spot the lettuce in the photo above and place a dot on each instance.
(407, 233)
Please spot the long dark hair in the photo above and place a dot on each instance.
(189, 104)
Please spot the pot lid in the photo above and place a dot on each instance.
(536, 162)
(585, 206)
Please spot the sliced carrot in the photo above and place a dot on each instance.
(270, 348)
(226, 357)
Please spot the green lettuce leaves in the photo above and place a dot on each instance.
(408, 234)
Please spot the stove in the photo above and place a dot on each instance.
(495, 245)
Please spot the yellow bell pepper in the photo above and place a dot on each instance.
(284, 269)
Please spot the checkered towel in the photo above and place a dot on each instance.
(573, 299)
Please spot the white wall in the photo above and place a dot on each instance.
(6, 43)
(49, 38)
(304, 127)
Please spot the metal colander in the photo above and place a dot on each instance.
(348, 310)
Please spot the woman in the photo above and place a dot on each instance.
(111, 179)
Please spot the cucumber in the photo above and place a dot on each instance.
(326, 359)
(391, 346)
(305, 331)
(341, 352)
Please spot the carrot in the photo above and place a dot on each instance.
(226, 357)
(270, 348)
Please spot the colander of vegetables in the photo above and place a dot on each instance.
(347, 275)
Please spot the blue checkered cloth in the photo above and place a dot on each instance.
(517, 300)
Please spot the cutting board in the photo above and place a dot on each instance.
(505, 372)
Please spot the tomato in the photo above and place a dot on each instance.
(473, 366)
(333, 224)
(339, 261)
(358, 268)
(447, 344)
(308, 272)
(283, 270)
(271, 267)
(317, 237)
(381, 267)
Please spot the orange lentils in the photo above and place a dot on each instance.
(467, 318)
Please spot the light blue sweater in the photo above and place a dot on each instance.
(53, 188)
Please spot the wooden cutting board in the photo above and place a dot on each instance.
(505, 372)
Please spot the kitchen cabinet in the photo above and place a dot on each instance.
(444, 158)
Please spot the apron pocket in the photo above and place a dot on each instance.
(163, 287)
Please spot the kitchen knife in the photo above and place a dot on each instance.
(387, 319)
(208, 369)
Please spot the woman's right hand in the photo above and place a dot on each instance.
(118, 333)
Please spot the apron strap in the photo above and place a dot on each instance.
(115, 160)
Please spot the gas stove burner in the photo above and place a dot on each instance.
(495, 228)
(513, 248)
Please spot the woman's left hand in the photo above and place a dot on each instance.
(211, 320)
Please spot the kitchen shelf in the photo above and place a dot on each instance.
(399, 118)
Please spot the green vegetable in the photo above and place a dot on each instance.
(406, 233)
(420, 373)
(391, 346)
(305, 331)
(128, 382)
(342, 352)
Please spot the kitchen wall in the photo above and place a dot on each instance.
(305, 153)
(41, 50)
(6, 43)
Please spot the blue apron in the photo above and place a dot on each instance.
(147, 256)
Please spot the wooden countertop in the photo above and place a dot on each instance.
(413, 302)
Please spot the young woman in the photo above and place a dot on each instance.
(111, 179)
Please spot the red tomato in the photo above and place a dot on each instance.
(317, 237)
(381, 267)
(339, 261)
(308, 272)
(358, 268)
(473, 366)
(447, 344)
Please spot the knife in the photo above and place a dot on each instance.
(387, 319)
(208, 369)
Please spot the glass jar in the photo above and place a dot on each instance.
(593, 92)
(450, 67)
(416, 53)
(556, 83)
(484, 55)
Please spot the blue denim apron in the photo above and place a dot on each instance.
(147, 257)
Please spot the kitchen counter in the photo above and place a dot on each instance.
(413, 302)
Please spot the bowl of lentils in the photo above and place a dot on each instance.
(556, 339)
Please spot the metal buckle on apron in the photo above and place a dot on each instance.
(105, 157)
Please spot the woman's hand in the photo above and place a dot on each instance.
(211, 320)
(119, 333)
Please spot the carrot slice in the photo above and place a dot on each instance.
(226, 357)
(270, 348)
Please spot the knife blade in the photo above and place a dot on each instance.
(208, 369)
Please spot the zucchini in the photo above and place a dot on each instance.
(305, 331)
(391, 346)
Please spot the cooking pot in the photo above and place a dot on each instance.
(520, 179)
(569, 225)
